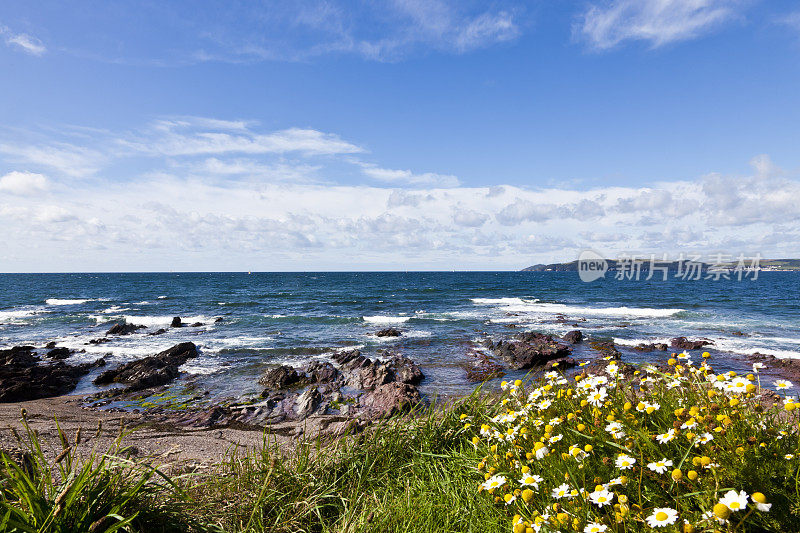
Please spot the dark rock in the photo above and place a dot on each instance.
(573, 337)
(607, 348)
(531, 350)
(388, 332)
(160, 331)
(682, 343)
(405, 370)
(739, 334)
(197, 325)
(483, 368)
(50, 345)
(152, 371)
(282, 377)
(390, 399)
(562, 363)
(58, 353)
(321, 372)
(101, 340)
(658, 346)
(176, 322)
(219, 319)
(23, 378)
(122, 328)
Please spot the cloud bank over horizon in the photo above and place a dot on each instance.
(195, 193)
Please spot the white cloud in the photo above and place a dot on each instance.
(23, 42)
(407, 177)
(658, 22)
(23, 183)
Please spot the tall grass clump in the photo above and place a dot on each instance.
(679, 448)
(102, 493)
(415, 473)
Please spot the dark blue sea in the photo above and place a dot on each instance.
(290, 318)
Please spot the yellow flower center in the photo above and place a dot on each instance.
(734, 505)
(661, 516)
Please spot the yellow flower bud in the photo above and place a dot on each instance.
(677, 474)
(527, 495)
(721, 511)
(692, 475)
(627, 406)
(759, 498)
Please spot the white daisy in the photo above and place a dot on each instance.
(782, 384)
(660, 466)
(662, 516)
(562, 491)
(594, 527)
(601, 497)
(530, 480)
(735, 501)
(494, 482)
(666, 437)
(625, 462)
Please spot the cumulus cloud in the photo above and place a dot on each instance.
(286, 210)
(23, 183)
(657, 22)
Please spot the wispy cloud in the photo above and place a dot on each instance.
(23, 42)
(407, 177)
(657, 22)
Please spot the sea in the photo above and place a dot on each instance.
(250, 322)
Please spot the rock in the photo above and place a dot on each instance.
(562, 363)
(281, 377)
(607, 348)
(658, 346)
(321, 372)
(176, 322)
(152, 371)
(23, 378)
(58, 353)
(50, 345)
(307, 403)
(160, 331)
(388, 332)
(101, 340)
(405, 370)
(682, 343)
(390, 399)
(219, 319)
(196, 325)
(483, 368)
(573, 337)
(531, 350)
(739, 334)
(122, 328)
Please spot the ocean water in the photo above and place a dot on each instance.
(290, 318)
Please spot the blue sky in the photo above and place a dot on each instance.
(402, 134)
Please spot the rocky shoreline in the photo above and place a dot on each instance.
(342, 395)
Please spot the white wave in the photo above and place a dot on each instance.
(503, 301)
(143, 302)
(380, 319)
(165, 320)
(748, 347)
(201, 367)
(613, 312)
(162, 297)
(15, 316)
(115, 309)
(636, 342)
(63, 301)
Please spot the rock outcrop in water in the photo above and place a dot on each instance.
(124, 329)
(682, 343)
(23, 376)
(152, 371)
(533, 350)
(389, 332)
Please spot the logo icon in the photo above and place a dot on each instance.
(591, 266)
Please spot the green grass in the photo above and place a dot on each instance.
(421, 473)
(411, 474)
